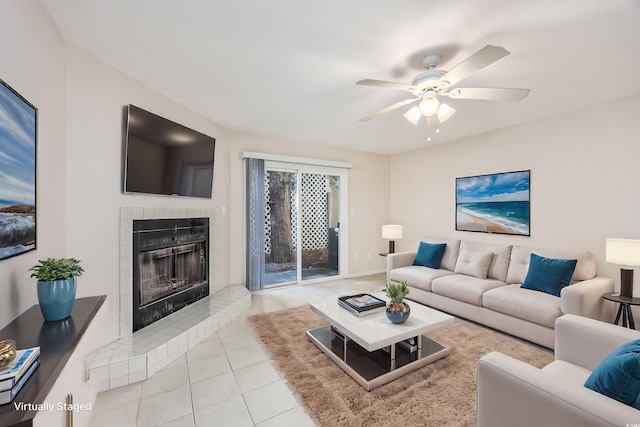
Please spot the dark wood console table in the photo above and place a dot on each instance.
(57, 341)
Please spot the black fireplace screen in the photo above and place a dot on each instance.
(170, 266)
(168, 271)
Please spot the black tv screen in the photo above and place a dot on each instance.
(164, 157)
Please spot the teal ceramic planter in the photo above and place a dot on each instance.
(399, 317)
(56, 298)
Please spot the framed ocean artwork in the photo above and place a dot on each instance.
(18, 124)
(494, 203)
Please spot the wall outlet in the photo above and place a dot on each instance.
(356, 256)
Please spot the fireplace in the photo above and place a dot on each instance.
(170, 266)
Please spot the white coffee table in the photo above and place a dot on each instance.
(369, 353)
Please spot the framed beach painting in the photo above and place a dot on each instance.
(494, 203)
(18, 121)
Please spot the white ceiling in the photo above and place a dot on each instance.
(288, 68)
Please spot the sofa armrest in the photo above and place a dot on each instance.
(585, 342)
(514, 393)
(585, 299)
(399, 259)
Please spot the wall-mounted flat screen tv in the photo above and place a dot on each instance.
(164, 157)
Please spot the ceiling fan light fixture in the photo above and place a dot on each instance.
(413, 115)
(445, 112)
(429, 104)
(429, 86)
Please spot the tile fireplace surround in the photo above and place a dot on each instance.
(136, 357)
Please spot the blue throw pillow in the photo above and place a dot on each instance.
(548, 274)
(618, 375)
(430, 255)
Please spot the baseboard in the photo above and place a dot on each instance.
(366, 273)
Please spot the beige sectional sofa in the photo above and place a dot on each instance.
(491, 294)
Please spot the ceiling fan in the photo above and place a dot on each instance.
(427, 87)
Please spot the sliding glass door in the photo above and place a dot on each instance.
(319, 225)
(302, 224)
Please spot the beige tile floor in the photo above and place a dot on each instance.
(227, 380)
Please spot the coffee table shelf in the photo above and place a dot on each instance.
(373, 369)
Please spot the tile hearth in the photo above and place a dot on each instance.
(227, 379)
(139, 356)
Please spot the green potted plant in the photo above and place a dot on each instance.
(57, 284)
(397, 310)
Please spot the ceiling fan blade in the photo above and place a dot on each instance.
(485, 56)
(489, 93)
(388, 85)
(389, 108)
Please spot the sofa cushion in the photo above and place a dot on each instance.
(549, 275)
(473, 263)
(430, 254)
(501, 257)
(450, 253)
(534, 306)
(521, 257)
(464, 288)
(417, 276)
(618, 375)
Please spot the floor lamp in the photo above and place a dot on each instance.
(392, 232)
(624, 252)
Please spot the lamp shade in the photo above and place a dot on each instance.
(623, 251)
(444, 112)
(413, 115)
(392, 231)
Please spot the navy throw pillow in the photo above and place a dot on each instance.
(430, 254)
(618, 375)
(549, 275)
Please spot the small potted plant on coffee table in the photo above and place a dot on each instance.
(397, 310)
(57, 284)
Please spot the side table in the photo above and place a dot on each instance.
(625, 308)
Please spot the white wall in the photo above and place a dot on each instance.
(585, 180)
(33, 64)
